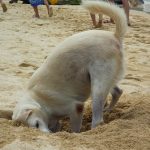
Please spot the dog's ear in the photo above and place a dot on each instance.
(23, 115)
(26, 114)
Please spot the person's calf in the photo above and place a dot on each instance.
(50, 13)
(36, 15)
(4, 7)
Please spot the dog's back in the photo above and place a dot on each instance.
(68, 65)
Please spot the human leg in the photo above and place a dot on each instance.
(93, 17)
(36, 12)
(126, 9)
(49, 9)
(3, 6)
(100, 22)
(95, 24)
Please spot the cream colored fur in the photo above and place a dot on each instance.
(87, 63)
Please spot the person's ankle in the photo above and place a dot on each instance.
(129, 24)
(94, 23)
(100, 23)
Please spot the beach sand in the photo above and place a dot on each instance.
(26, 42)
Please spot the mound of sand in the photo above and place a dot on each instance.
(26, 42)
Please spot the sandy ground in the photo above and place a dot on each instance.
(24, 44)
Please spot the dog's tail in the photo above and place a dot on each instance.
(111, 10)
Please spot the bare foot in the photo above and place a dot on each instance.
(109, 21)
(36, 16)
(129, 24)
(98, 25)
(4, 7)
(94, 24)
(112, 21)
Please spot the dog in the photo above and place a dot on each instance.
(87, 63)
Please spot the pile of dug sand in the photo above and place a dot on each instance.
(24, 44)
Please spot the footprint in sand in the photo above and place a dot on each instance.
(24, 64)
(132, 78)
(1, 19)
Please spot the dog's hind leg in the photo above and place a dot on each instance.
(101, 83)
(99, 94)
(103, 75)
(116, 93)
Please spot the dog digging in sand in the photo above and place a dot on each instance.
(87, 63)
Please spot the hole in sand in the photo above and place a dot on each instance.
(121, 111)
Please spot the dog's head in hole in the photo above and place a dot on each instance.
(34, 116)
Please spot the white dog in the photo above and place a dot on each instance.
(90, 62)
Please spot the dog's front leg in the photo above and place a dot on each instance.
(76, 118)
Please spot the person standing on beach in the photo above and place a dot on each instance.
(126, 9)
(35, 3)
(3, 6)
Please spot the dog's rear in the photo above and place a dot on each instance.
(112, 11)
(106, 82)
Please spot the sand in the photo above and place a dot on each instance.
(25, 43)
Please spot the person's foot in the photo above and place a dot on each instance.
(112, 21)
(36, 16)
(129, 24)
(50, 13)
(4, 7)
(13, 1)
(94, 24)
(109, 21)
(99, 24)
